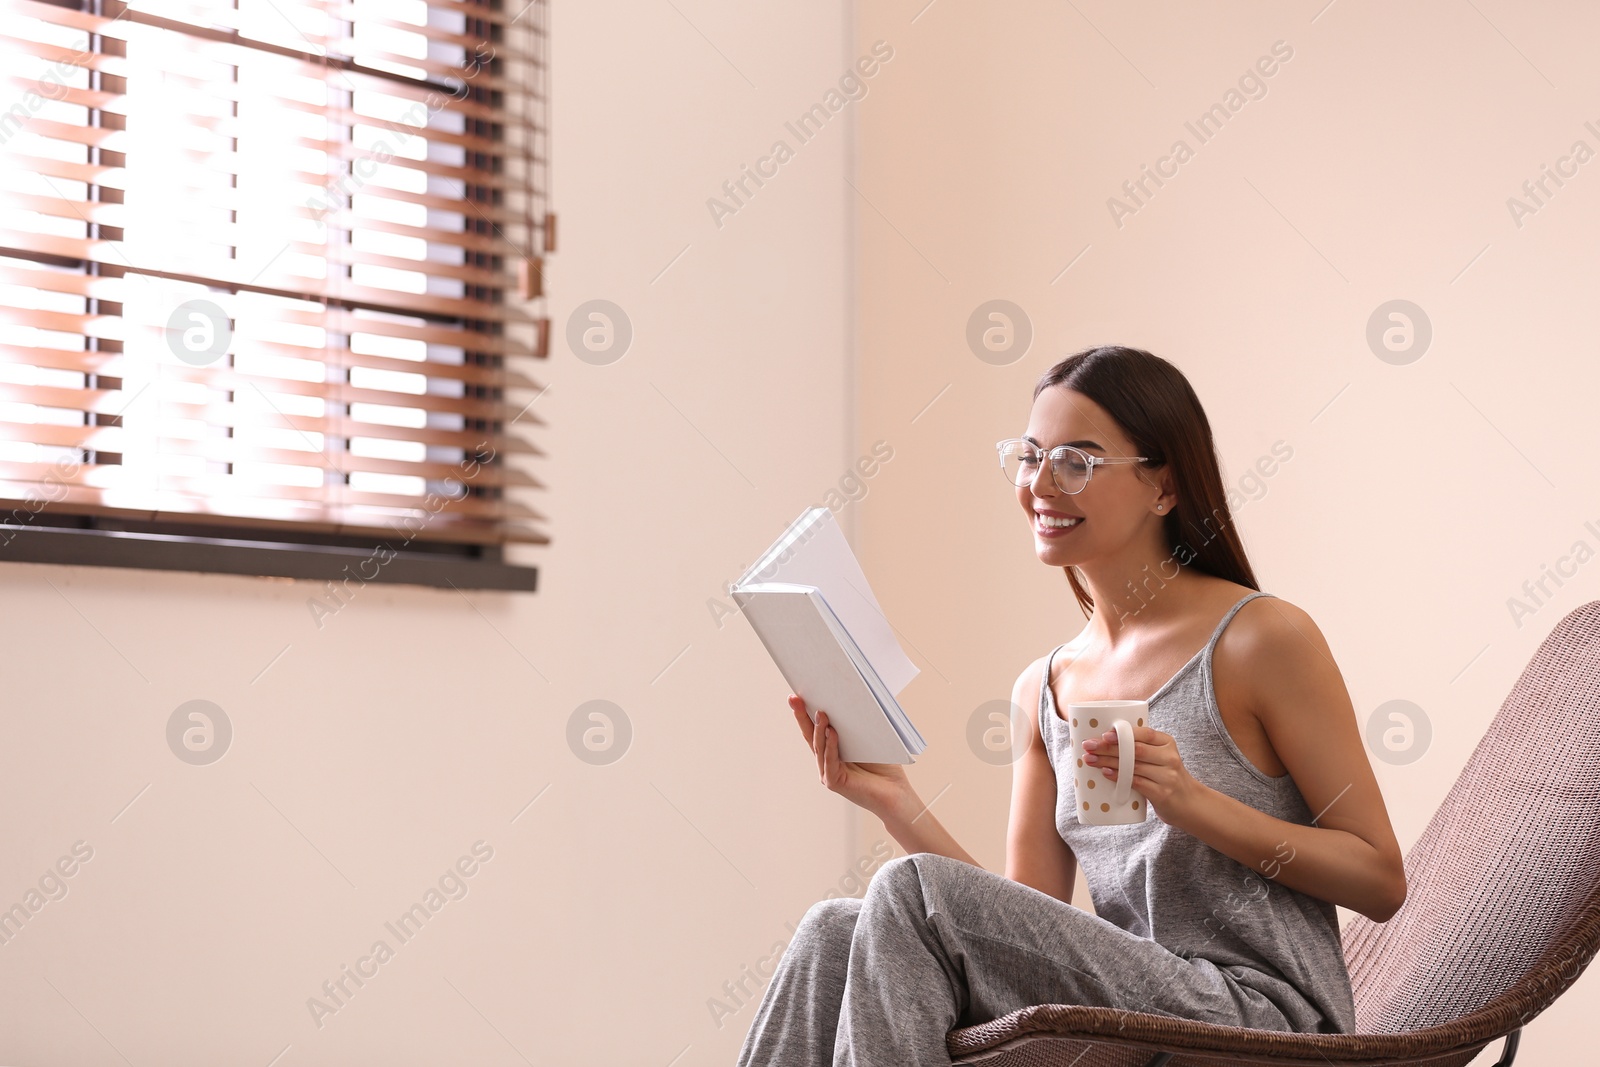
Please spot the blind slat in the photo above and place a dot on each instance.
(144, 491)
(111, 438)
(289, 516)
(116, 365)
(115, 290)
(113, 254)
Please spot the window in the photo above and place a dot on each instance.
(271, 284)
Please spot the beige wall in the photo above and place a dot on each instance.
(371, 754)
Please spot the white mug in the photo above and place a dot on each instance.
(1102, 802)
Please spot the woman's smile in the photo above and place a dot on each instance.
(1049, 527)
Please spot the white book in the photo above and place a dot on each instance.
(810, 604)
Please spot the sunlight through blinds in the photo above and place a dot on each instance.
(274, 265)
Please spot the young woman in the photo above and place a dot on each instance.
(1263, 810)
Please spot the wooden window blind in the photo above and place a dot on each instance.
(274, 266)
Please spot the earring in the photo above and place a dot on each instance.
(1160, 507)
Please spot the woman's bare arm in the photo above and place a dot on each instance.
(1035, 853)
(918, 830)
(1350, 856)
(881, 788)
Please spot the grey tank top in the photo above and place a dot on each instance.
(1165, 884)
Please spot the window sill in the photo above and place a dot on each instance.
(263, 558)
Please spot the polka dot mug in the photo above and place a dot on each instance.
(1101, 801)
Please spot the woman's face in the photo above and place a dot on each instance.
(1110, 508)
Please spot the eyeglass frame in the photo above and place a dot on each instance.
(1090, 462)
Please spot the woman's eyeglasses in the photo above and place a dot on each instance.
(1070, 467)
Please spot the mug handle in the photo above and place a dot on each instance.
(1123, 791)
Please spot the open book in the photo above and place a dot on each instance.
(809, 603)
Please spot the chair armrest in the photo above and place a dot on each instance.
(1235, 1044)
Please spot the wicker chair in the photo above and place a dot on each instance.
(1502, 912)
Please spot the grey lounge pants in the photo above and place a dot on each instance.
(937, 943)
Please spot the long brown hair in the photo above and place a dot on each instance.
(1157, 408)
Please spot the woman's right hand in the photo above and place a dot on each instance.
(877, 787)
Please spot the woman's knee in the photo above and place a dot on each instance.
(902, 878)
(926, 883)
(832, 916)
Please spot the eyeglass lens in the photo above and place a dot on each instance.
(1021, 463)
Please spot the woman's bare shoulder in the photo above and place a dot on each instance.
(1028, 692)
(1273, 645)
(1269, 620)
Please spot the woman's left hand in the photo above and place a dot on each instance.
(1158, 771)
